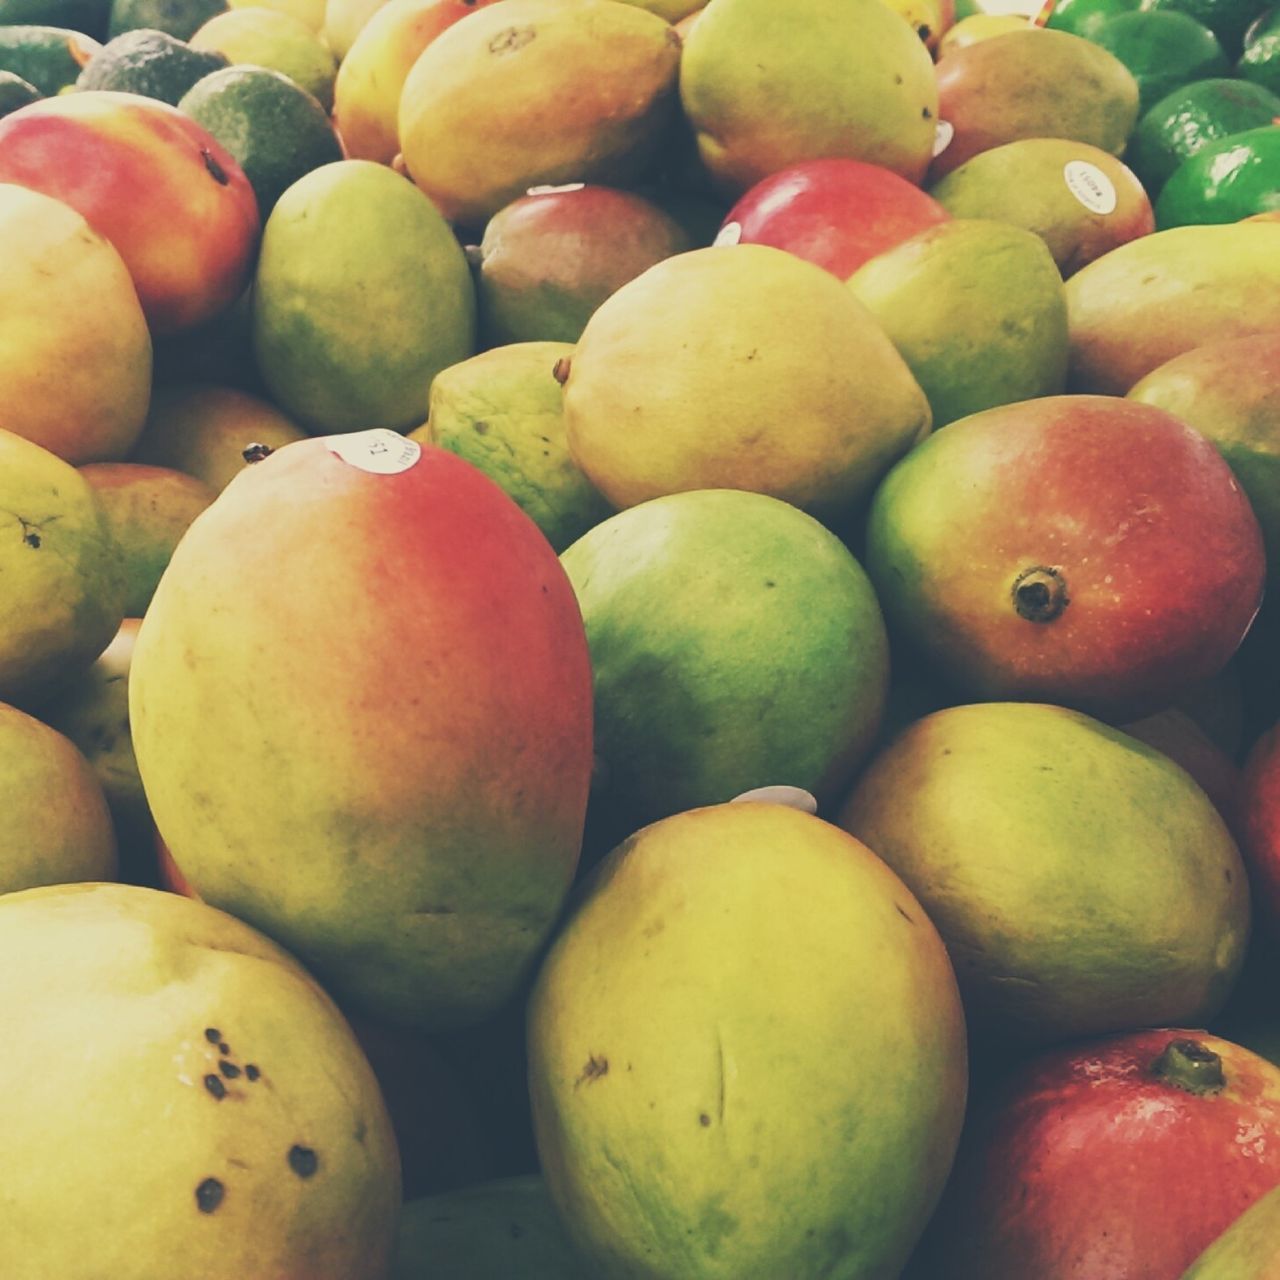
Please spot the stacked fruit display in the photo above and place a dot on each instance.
(636, 640)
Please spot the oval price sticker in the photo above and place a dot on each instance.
(378, 450)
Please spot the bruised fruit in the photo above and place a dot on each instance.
(396, 790)
(163, 1026)
(735, 1083)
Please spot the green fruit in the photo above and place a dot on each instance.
(150, 63)
(502, 412)
(782, 682)
(362, 295)
(491, 1231)
(86, 16)
(1084, 17)
(162, 1026)
(1227, 19)
(48, 58)
(1260, 61)
(765, 86)
(746, 1055)
(1190, 117)
(57, 827)
(1086, 884)
(16, 92)
(1249, 1249)
(1163, 49)
(274, 128)
(1226, 180)
(63, 593)
(180, 18)
(976, 309)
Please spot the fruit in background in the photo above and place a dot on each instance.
(1249, 1249)
(1160, 295)
(488, 1231)
(1230, 392)
(268, 1146)
(371, 76)
(1163, 49)
(49, 58)
(672, 11)
(976, 309)
(1175, 733)
(836, 213)
(148, 509)
(765, 87)
(1084, 17)
(739, 368)
(172, 202)
(1225, 181)
(76, 378)
(1260, 61)
(1260, 810)
(550, 258)
(1081, 201)
(1038, 551)
(929, 19)
(275, 129)
(536, 91)
(343, 22)
(1031, 84)
(1086, 885)
(86, 16)
(979, 26)
(204, 430)
(1227, 19)
(64, 583)
(57, 827)
(783, 681)
(151, 63)
(1124, 1156)
(416, 861)
(1191, 117)
(501, 411)
(689, 1040)
(309, 12)
(16, 92)
(362, 295)
(180, 18)
(280, 41)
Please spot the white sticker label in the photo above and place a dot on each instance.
(1090, 186)
(379, 450)
(792, 797)
(554, 190)
(942, 136)
(730, 233)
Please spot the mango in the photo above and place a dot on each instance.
(1249, 1249)
(745, 1084)
(361, 709)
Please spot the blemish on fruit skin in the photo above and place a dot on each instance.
(218, 173)
(512, 38)
(303, 1161)
(209, 1195)
(212, 1035)
(704, 1120)
(593, 1070)
(251, 1071)
(228, 1069)
(215, 1086)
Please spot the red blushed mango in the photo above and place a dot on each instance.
(173, 202)
(361, 709)
(1068, 550)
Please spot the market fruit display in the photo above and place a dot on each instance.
(638, 639)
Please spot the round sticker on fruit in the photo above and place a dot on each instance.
(379, 450)
(730, 233)
(1090, 186)
(792, 797)
(942, 136)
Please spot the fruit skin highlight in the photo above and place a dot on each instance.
(361, 708)
(741, 1084)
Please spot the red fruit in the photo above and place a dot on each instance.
(834, 212)
(1260, 823)
(1121, 1159)
(174, 203)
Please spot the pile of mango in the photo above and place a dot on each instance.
(637, 640)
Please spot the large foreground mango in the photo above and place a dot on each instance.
(361, 705)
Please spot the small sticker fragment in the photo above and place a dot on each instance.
(379, 450)
(730, 233)
(792, 797)
(1090, 186)
(942, 136)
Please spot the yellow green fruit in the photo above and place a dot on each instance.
(739, 367)
(746, 1055)
(223, 1116)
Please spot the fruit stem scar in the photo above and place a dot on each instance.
(1040, 594)
(209, 1195)
(256, 452)
(1190, 1066)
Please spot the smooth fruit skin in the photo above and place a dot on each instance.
(1084, 884)
(1039, 551)
(1086, 1165)
(173, 202)
(834, 212)
(1225, 181)
(1162, 294)
(1249, 1249)
(76, 378)
(741, 1084)
(382, 758)
(145, 1013)
(766, 86)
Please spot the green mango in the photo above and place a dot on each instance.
(1249, 1249)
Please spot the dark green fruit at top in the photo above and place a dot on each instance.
(1227, 19)
(48, 58)
(1260, 61)
(270, 124)
(1083, 17)
(180, 18)
(1191, 117)
(1227, 180)
(1162, 49)
(16, 92)
(148, 62)
(87, 16)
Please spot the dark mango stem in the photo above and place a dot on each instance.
(1190, 1066)
(1040, 594)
